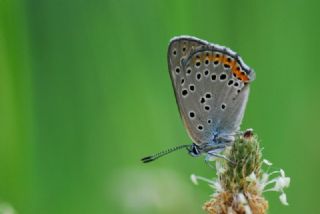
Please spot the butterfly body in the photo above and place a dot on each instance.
(211, 85)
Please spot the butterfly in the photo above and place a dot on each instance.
(211, 87)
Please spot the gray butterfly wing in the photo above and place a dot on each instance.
(179, 50)
(211, 85)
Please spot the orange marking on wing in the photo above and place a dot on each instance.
(235, 67)
(227, 61)
(240, 74)
(223, 59)
(233, 64)
(217, 57)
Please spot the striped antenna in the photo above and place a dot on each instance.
(163, 153)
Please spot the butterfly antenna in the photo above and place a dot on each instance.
(162, 153)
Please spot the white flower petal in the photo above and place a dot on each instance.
(268, 163)
(282, 182)
(265, 178)
(287, 181)
(252, 177)
(194, 179)
(218, 186)
(220, 168)
(283, 199)
(263, 181)
(282, 173)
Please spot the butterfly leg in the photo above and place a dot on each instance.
(213, 155)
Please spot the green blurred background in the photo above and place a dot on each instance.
(85, 93)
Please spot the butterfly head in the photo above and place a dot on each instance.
(194, 150)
